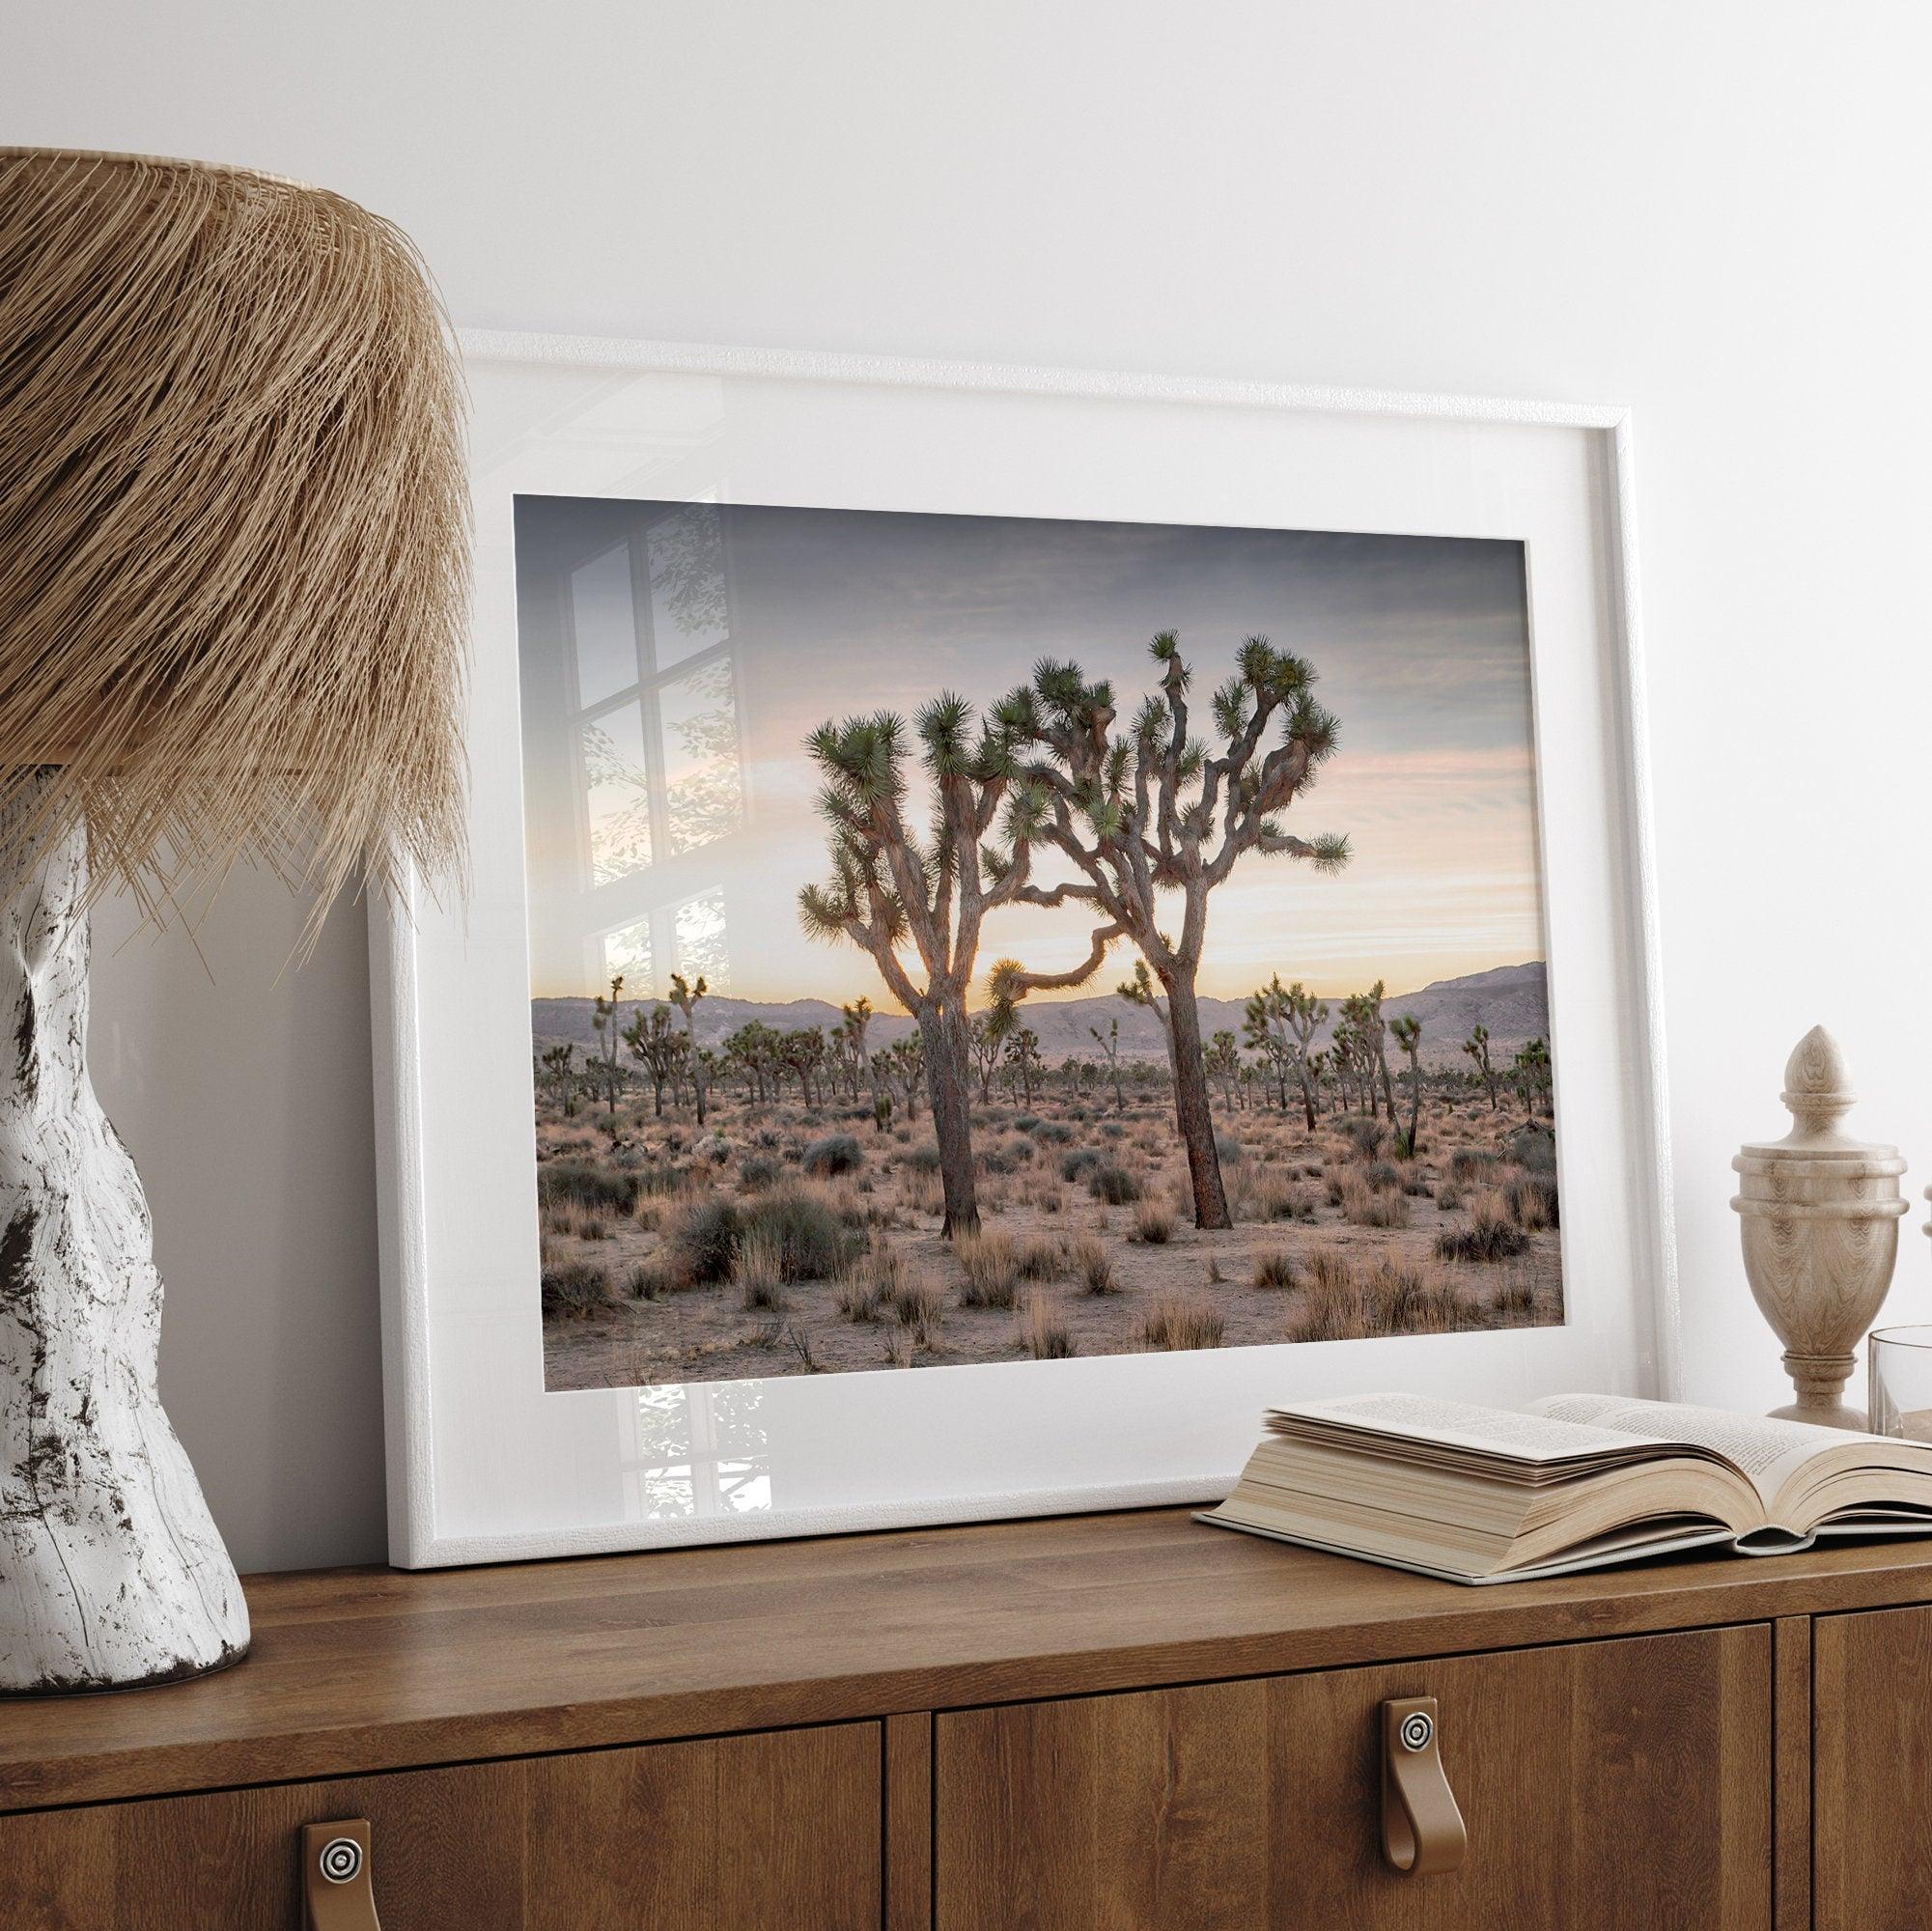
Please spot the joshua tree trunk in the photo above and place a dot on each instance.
(1192, 1111)
(942, 1031)
(111, 1570)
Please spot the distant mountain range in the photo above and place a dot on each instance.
(1512, 1000)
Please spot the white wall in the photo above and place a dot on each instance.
(1714, 212)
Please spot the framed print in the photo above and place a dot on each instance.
(1018, 919)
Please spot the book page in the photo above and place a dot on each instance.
(1765, 1451)
(1497, 1431)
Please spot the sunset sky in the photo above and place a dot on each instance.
(1420, 647)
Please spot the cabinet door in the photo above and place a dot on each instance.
(1871, 1771)
(755, 1832)
(1605, 1784)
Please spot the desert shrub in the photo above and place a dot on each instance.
(1041, 1259)
(923, 1192)
(1413, 1298)
(1415, 1186)
(1515, 1299)
(1052, 1133)
(1045, 1195)
(916, 1305)
(1026, 1123)
(815, 1241)
(713, 1148)
(582, 1183)
(1333, 1307)
(1181, 1321)
(1533, 1147)
(659, 1181)
(1448, 1195)
(1365, 1206)
(1093, 1265)
(923, 1159)
(1043, 1334)
(758, 1172)
(994, 1160)
(856, 1295)
(1532, 1202)
(991, 1264)
(769, 1138)
(1491, 1235)
(703, 1237)
(1229, 1149)
(1274, 1269)
(641, 1282)
(756, 1268)
(1365, 1135)
(1153, 1223)
(1470, 1166)
(1113, 1184)
(1075, 1165)
(1382, 1173)
(898, 1349)
(574, 1289)
(835, 1153)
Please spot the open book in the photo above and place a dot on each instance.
(1578, 1481)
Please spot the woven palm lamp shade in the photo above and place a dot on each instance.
(233, 586)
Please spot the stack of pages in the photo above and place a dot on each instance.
(1578, 1481)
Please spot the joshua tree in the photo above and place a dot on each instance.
(654, 1041)
(684, 995)
(558, 1076)
(1109, 1046)
(1265, 1027)
(890, 889)
(1222, 1060)
(1363, 1012)
(986, 1041)
(1022, 1055)
(1476, 1045)
(858, 1019)
(802, 1050)
(1407, 1031)
(1319, 1065)
(906, 1062)
(1150, 810)
(603, 1016)
(1532, 1075)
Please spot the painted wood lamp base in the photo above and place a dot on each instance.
(111, 1570)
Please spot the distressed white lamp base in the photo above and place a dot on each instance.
(111, 1570)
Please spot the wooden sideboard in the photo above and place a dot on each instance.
(1115, 1720)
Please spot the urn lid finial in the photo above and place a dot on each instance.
(1818, 1090)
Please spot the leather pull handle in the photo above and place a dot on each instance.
(337, 1894)
(1422, 1828)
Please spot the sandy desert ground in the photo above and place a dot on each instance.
(791, 1240)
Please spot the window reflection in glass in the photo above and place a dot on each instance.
(700, 938)
(699, 1452)
(626, 955)
(704, 793)
(617, 793)
(605, 625)
(688, 606)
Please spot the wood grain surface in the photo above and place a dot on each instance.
(757, 1834)
(1609, 1786)
(1871, 1771)
(366, 1670)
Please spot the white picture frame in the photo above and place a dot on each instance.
(484, 1465)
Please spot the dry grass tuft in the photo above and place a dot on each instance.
(1093, 1265)
(1043, 1334)
(1492, 1235)
(1274, 1269)
(1153, 1224)
(991, 1264)
(1369, 1206)
(1177, 1320)
(758, 1269)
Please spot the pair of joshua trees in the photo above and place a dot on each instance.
(1131, 811)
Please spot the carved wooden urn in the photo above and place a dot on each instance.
(1820, 1215)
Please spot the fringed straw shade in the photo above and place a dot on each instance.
(233, 523)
